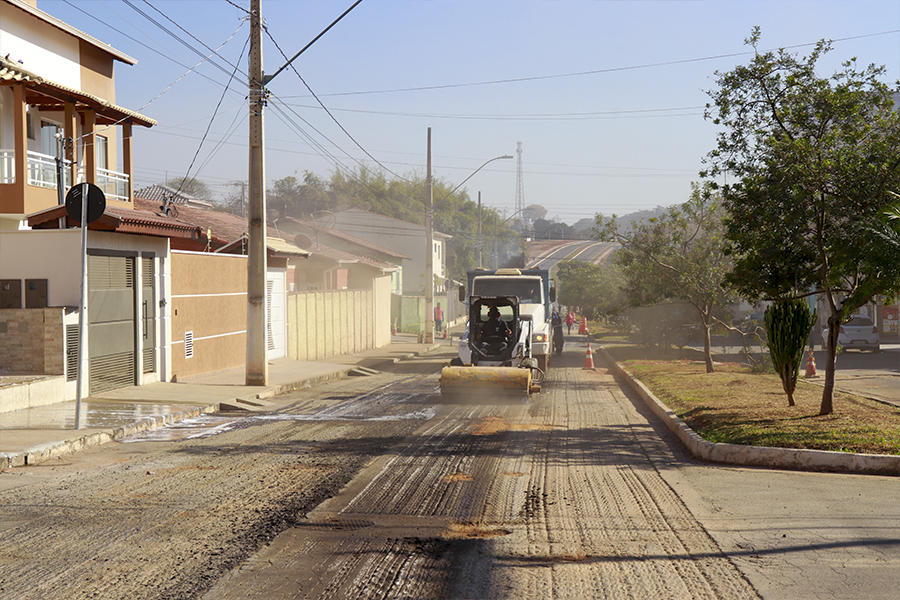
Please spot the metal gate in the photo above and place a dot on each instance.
(276, 296)
(111, 299)
(148, 316)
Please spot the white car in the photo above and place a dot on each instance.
(858, 332)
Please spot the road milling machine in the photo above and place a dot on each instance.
(499, 343)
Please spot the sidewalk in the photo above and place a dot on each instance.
(37, 434)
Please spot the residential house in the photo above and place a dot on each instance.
(307, 235)
(402, 237)
(167, 196)
(57, 99)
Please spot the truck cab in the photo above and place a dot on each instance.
(532, 288)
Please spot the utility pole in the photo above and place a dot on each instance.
(257, 368)
(429, 250)
(480, 240)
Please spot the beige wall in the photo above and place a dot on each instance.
(382, 323)
(209, 298)
(330, 323)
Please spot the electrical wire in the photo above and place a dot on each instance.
(325, 108)
(640, 113)
(592, 72)
(213, 118)
(178, 38)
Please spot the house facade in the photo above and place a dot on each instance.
(57, 100)
(402, 237)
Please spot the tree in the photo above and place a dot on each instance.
(533, 212)
(788, 324)
(809, 161)
(284, 197)
(677, 256)
(590, 288)
(191, 186)
(235, 201)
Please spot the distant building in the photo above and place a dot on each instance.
(165, 194)
(403, 237)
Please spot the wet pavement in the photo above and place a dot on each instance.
(178, 410)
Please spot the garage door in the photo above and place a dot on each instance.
(277, 321)
(111, 349)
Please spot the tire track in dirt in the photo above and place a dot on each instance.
(551, 499)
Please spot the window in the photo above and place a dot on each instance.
(49, 143)
(102, 152)
(29, 122)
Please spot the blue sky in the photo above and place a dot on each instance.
(606, 97)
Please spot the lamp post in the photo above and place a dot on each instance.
(429, 238)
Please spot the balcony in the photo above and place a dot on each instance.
(42, 173)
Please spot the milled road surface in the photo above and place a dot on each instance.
(502, 499)
(376, 487)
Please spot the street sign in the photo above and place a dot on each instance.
(96, 202)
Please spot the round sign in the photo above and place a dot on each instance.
(96, 202)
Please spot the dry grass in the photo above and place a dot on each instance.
(736, 406)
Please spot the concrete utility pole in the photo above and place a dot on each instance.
(429, 251)
(257, 369)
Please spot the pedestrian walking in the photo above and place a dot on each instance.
(570, 319)
(439, 318)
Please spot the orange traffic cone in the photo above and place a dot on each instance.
(811, 364)
(589, 359)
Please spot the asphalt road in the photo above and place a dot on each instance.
(547, 254)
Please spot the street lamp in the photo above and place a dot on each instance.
(429, 239)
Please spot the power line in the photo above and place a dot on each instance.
(591, 72)
(325, 108)
(178, 38)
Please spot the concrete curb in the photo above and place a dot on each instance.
(50, 450)
(44, 452)
(758, 456)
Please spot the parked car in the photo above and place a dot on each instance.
(858, 332)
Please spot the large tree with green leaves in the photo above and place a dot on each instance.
(808, 160)
(677, 256)
(591, 289)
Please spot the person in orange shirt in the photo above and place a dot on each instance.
(439, 318)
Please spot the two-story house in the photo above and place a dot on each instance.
(57, 99)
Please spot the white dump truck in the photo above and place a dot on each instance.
(532, 288)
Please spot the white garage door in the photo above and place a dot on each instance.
(277, 325)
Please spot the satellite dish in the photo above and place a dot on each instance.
(303, 241)
(323, 220)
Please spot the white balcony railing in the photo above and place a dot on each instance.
(42, 173)
(7, 166)
(113, 184)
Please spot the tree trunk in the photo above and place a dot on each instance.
(827, 406)
(789, 385)
(707, 344)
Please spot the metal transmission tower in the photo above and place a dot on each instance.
(520, 184)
